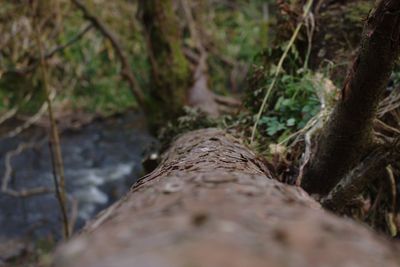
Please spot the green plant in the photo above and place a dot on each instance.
(294, 103)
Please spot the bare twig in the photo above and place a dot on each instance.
(8, 174)
(377, 200)
(22, 193)
(391, 102)
(55, 147)
(392, 186)
(74, 214)
(32, 120)
(27, 192)
(194, 34)
(8, 168)
(10, 113)
(52, 52)
(126, 71)
(70, 42)
(387, 127)
(307, 151)
(356, 180)
(310, 27)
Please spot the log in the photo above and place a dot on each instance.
(212, 202)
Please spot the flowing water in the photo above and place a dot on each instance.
(101, 160)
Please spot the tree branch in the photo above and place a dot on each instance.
(25, 192)
(54, 142)
(347, 135)
(52, 52)
(355, 182)
(126, 71)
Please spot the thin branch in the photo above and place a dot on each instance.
(357, 179)
(310, 27)
(55, 147)
(70, 42)
(194, 34)
(10, 113)
(8, 174)
(386, 126)
(52, 52)
(23, 193)
(392, 185)
(391, 102)
(126, 71)
(32, 120)
(308, 149)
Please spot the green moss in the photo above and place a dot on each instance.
(171, 77)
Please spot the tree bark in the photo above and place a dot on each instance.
(211, 202)
(170, 72)
(348, 132)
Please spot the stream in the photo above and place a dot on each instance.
(101, 160)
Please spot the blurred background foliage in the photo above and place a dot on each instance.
(244, 40)
(85, 74)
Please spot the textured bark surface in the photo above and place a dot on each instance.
(347, 134)
(211, 202)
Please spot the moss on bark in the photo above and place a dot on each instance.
(171, 75)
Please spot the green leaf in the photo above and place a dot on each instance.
(291, 122)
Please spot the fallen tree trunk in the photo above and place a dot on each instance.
(211, 202)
